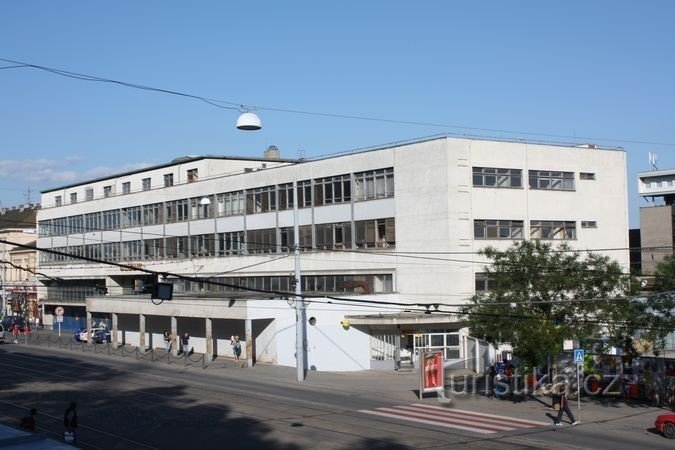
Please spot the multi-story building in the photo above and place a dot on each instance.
(18, 284)
(389, 240)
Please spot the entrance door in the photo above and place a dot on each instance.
(449, 343)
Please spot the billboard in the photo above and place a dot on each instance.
(431, 371)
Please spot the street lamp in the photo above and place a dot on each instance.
(248, 121)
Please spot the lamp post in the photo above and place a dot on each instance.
(299, 303)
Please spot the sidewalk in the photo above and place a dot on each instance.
(394, 388)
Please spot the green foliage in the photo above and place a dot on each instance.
(542, 296)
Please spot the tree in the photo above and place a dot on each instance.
(540, 296)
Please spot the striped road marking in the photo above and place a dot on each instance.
(454, 418)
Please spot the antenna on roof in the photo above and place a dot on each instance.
(652, 160)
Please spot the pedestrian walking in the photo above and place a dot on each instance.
(564, 406)
(28, 422)
(236, 347)
(15, 332)
(70, 423)
(185, 342)
(167, 340)
(490, 385)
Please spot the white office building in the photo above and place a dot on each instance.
(386, 233)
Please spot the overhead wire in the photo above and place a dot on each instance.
(240, 107)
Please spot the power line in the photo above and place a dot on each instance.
(240, 107)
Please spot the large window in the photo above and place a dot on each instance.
(230, 204)
(553, 229)
(73, 197)
(126, 187)
(498, 229)
(550, 180)
(202, 245)
(375, 233)
(176, 211)
(146, 184)
(132, 250)
(89, 194)
(107, 191)
(168, 179)
(261, 241)
(111, 251)
(153, 248)
(497, 177)
(131, 217)
(374, 184)
(152, 214)
(111, 219)
(260, 200)
(230, 243)
(200, 209)
(333, 235)
(176, 247)
(92, 221)
(75, 224)
(331, 190)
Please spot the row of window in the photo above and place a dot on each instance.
(539, 229)
(538, 179)
(368, 185)
(318, 284)
(107, 191)
(377, 233)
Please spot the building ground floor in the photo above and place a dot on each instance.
(338, 335)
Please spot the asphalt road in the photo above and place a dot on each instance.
(128, 404)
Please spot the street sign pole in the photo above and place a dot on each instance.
(579, 360)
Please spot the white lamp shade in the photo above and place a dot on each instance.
(248, 121)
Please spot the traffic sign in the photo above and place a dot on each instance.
(579, 356)
(58, 310)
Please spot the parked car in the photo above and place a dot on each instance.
(665, 423)
(99, 335)
(102, 336)
(9, 321)
(2, 334)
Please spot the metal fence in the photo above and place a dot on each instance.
(125, 351)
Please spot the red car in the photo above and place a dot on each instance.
(665, 423)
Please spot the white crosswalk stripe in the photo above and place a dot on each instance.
(476, 422)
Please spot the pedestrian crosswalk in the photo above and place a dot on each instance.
(476, 422)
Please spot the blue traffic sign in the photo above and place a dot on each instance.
(579, 356)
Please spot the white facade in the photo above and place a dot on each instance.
(413, 244)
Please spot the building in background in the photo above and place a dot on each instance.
(389, 239)
(17, 266)
(657, 233)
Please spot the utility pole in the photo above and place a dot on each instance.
(299, 303)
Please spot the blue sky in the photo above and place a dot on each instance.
(597, 71)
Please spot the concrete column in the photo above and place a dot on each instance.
(114, 330)
(248, 330)
(89, 335)
(141, 331)
(209, 339)
(174, 336)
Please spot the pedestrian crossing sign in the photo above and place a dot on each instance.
(579, 356)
